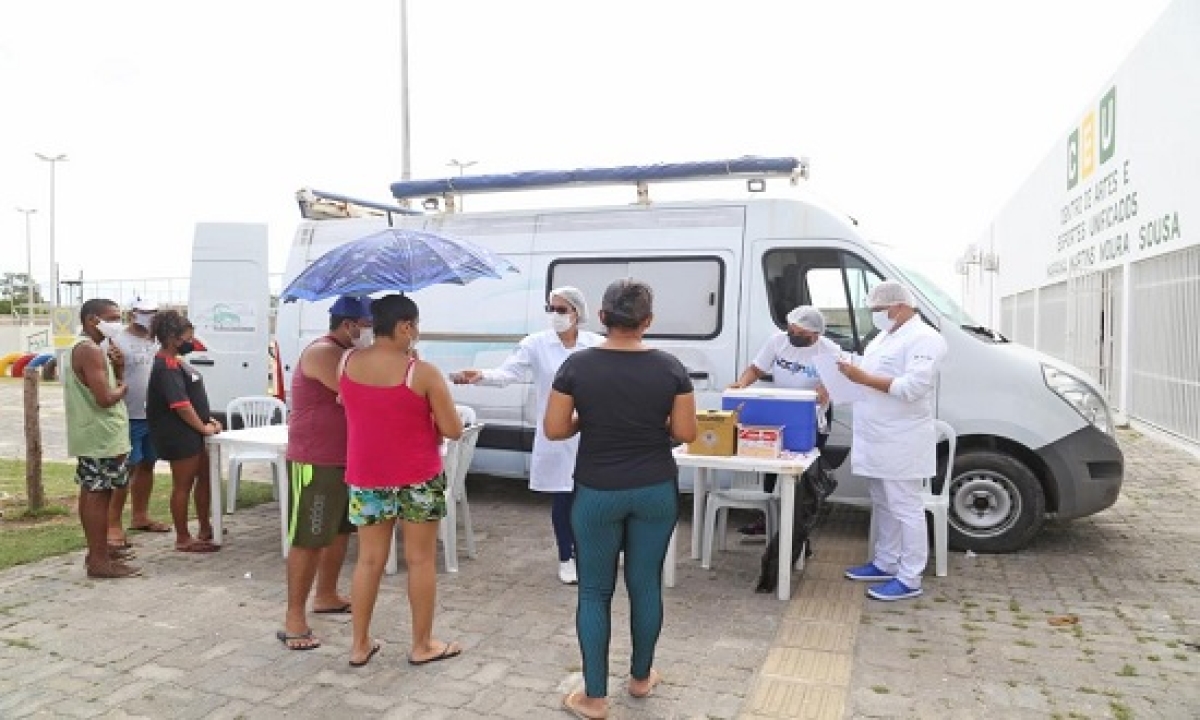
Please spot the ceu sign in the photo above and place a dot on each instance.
(1095, 142)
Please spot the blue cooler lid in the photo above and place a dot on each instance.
(771, 394)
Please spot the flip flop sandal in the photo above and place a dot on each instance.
(153, 527)
(311, 643)
(360, 663)
(198, 546)
(445, 654)
(339, 610)
(571, 703)
(114, 570)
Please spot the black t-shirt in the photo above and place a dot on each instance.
(174, 383)
(623, 400)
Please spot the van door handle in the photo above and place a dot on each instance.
(698, 374)
(201, 361)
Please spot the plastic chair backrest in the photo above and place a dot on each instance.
(466, 414)
(458, 458)
(256, 411)
(945, 433)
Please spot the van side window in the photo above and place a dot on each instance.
(688, 291)
(834, 281)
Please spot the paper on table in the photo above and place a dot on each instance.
(841, 390)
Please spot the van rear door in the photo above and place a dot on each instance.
(229, 303)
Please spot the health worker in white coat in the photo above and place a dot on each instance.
(540, 355)
(895, 441)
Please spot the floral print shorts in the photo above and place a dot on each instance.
(99, 474)
(421, 503)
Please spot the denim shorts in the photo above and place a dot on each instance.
(142, 450)
(425, 502)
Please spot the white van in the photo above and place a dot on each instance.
(1035, 436)
(229, 302)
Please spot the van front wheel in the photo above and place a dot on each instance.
(996, 503)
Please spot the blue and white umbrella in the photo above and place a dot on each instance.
(395, 260)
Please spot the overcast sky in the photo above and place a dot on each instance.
(921, 118)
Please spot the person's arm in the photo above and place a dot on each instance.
(920, 369)
(445, 415)
(854, 373)
(561, 421)
(516, 367)
(319, 361)
(174, 390)
(682, 424)
(748, 377)
(89, 364)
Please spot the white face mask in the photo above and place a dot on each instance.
(143, 319)
(559, 323)
(365, 338)
(110, 328)
(882, 321)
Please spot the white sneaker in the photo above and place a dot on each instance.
(566, 572)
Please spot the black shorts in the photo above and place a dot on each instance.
(319, 502)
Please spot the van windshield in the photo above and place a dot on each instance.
(943, 303)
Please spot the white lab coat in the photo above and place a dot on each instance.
(539, 356)
(894, 435)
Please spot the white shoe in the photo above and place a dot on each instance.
(566, 572)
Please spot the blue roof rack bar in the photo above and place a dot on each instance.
(308, 197)
(744, 167)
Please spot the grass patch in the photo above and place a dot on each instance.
(22, 643)
(1127, 670)
(1120, 711)
(880, 689)
(56, 530)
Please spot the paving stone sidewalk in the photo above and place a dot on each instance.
(195, 637)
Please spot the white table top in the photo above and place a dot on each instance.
(275, 436)
(791, 465)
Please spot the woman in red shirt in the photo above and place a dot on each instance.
(398, 409)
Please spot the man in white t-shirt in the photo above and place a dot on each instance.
(788, 358)
(138, 348)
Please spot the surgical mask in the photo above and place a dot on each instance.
(881, 320)
(801, 341)
(186, 347)
(364, 339)
(110, 328)
(143, 319)
(559, 323)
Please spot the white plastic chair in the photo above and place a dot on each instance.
(936, 504)
(747, 493)
(456, 464)
(255, 411)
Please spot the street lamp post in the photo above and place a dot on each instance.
(54, 160)
(28, 265)
(405, 154)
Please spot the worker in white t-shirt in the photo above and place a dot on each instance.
(788, 358)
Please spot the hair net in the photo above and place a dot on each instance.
(574, 296)
(889, 292)
(807, 317)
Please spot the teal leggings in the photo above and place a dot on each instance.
(607, 522)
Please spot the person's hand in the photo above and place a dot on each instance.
(466, 377)
(115, 356)
(734, 386)
(216, 424)
(853, 372)
(822, 395)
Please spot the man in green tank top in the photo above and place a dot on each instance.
(98, 432)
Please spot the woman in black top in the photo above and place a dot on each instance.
(178, 414)
(628, 403)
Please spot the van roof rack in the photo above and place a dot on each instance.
(318, 205)
(750, 167)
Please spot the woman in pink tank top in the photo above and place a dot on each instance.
(398, 409)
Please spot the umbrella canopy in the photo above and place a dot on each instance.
(395, 260)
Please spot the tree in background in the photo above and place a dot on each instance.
(14, 293)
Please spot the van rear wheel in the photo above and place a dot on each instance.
(996, 503)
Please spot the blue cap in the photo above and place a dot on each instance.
(351, 307)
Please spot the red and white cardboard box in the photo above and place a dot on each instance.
(761, 441)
